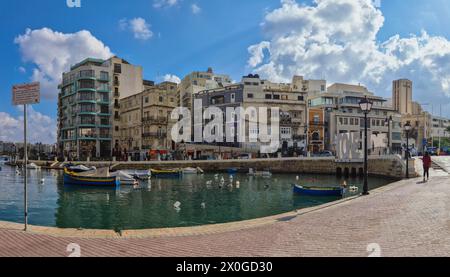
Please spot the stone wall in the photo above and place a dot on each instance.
(389, 166)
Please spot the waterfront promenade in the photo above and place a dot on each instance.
(407, 218)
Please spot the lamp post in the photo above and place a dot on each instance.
(366, 107)
(388, 121)
(407, 129)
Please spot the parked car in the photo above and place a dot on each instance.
(323, 154)
(245, 157)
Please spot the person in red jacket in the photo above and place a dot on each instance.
(426, 166)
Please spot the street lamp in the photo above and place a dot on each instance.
(388, 121)
(407, 130)
(366, 107)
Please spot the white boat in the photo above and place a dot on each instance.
(125, 179)
(190, 170)
(139, 174)
(81, 168)
(33, 166)
(266, 174)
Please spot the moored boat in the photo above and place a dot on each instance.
(169, 173)
(142, 175)
(80, 168)
(90, 179)
(232, 170)
(318, 191)
(125, 178)
(266, 174)
(33, 166)
(190, 170)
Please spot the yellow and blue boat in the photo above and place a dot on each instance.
(170, 173)
(90, 179)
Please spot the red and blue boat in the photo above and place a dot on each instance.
(318, 191)
(90, 179)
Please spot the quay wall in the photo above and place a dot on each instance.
(387, 166)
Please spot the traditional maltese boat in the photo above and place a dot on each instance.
(98, 178)
(170, 173)
(318, 191)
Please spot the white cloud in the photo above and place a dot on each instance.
(53, 52)
(41, 128)
(196, 9)
(138, 26)
(172, 78)
(22, 69)
(164, 3)
(337, 40)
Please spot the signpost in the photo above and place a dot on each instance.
(26, 94)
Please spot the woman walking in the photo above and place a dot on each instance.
(426, 166)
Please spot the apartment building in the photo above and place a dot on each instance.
(316, 130)
(145, 121)
(198, 81)
(440, 127)
(89, 106)
(343, 115)
(254, 92)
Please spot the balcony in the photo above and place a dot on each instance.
(154, 135)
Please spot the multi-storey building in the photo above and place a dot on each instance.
(343, 115)
(146, 121)
(199, 81)
(89, 106)
(402, 96)
(440, 127)
(316, 130)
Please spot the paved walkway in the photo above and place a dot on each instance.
(407, 218)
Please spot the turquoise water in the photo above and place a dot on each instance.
(151, 205)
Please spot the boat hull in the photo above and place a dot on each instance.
(316, 191)
(87, 181)
(166, 173)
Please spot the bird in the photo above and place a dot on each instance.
(203, 205)
(177, 205)
(42, 181)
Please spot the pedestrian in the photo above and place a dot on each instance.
(426, 166)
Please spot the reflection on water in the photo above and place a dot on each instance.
(203, 199)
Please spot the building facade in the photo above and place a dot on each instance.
(89, 106)
(146, 122)
(254, 93)
(316, 130)
(199, 81)
(402, 96)
(343, 115)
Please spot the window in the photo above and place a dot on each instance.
(161, 99)
(268, 96)
(250, 95)
(146, 99)
(345, 121)
(352, 121)
(284, 97)
(301, 98)
(322, 87)
(104, 75)
(233, 98)
(276, 97)
(117, 68)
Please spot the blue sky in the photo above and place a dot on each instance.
(219, 35)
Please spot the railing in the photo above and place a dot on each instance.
(153, 119)
(154, 135)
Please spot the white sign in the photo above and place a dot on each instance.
(25, 94)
